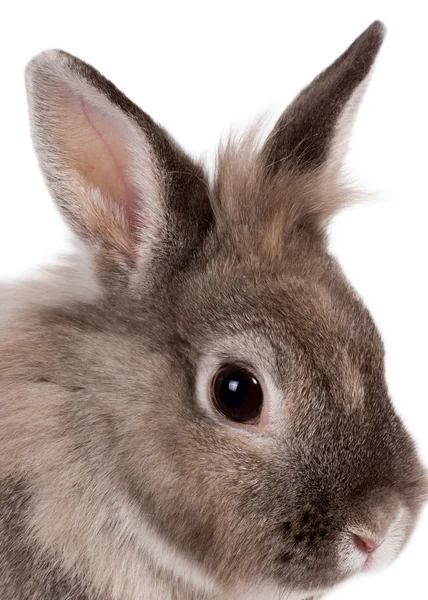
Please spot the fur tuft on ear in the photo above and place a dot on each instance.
(294, 181)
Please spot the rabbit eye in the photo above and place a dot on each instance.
(237, 394)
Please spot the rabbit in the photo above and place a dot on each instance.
(195, 407)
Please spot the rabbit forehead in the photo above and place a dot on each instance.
(317, 319)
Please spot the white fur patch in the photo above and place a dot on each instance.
(354, 561)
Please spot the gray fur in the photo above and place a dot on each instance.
(117, 480)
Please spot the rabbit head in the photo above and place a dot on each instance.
(241, 376)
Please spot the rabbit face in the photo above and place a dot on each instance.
(241, 376)
(286, 498)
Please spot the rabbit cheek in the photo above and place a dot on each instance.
(24, 564)
(308, 557)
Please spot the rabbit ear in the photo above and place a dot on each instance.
(114, 173)
(313, 131)
(293, 184)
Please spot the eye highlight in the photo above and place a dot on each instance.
(237, 394)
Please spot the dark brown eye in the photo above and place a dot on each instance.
(237, 394)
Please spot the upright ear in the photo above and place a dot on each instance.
(313, 132)
(122, 183)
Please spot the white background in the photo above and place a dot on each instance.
(197, 68)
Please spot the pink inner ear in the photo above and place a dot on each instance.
(118, 180)
(107, 158)
(97, 151)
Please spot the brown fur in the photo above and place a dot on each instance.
(117, 480)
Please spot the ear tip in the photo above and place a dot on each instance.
(46, 58)
(377, 31)
(361, 54)
(373, 36)
(47, 62)
(379, 28)
(43, 63)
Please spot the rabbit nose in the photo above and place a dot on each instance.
(366, 544)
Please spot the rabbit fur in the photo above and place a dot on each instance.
(119, 479)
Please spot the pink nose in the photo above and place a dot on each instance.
(365, 544)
